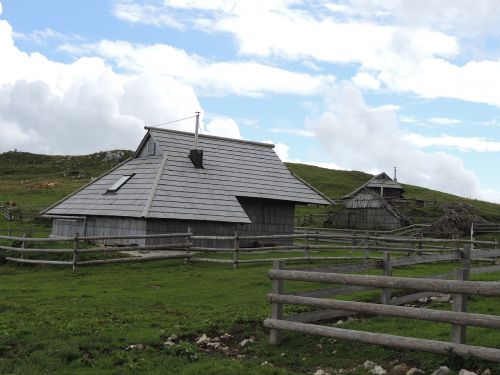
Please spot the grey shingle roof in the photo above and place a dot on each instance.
(382, 179)
(173, 188)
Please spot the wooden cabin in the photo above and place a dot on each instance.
(368, 207)
(369, 210)
(222, 186)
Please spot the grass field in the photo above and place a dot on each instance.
(54, 321)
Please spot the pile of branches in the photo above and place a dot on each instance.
(456, 221)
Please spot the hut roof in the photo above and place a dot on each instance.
(382, 179)
(366, 198)
(168, 185)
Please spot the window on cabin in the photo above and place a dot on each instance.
(151, 147)
(118, 184)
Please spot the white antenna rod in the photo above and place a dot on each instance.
(196, 130)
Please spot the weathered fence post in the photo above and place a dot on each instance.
(458, 331)
(306, 250)
(277, 308)
(236, 255)
(385, 294)
(75, 250)
(367, 249)
(10, 231)
(23, 244)
(189, 255)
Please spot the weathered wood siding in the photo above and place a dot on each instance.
(101, 226)
(68, 227)
(268, 217)
(109, 226)
(366, 218)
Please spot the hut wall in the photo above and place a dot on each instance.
(112, 225)
(268, 217)
(366, 218)
(101, 226)
(68, 227)
(388, 192)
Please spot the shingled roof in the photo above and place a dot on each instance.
(378, 181)
(168, 186)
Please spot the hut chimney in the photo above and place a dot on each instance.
(395, 176)
(196, 155)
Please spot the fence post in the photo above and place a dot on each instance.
(458, 331)
(22, 246)
(236, 255)
(188, 257)
(367, 250)
(10, 230)
(277, 308)
(306, 250)
(75, 250)
(385, 294)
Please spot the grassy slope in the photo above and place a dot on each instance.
(336, 184)
(53, 321)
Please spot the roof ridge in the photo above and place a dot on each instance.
(270, 145)
(154, 187)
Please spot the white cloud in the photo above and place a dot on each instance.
(51, 107)
(444, 121)
(42, 36)
(402, 44)
(407, 119)
(209, 77)
(364, 138)
(464, 17)
(366, 81)
(223, 127)
(282, 150)
(297, 132)
(462, 143)
(147, 13)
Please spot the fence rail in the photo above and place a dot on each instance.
(459, 318)
(303, 246)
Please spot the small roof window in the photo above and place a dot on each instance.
(118, 184)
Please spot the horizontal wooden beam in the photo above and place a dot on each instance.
(432, 346)
(128, 260)
(40, 261)
(478, 320)
(485, 288)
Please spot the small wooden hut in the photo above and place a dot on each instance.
(368, 207)
(221, 186)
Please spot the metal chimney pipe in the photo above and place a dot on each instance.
(395, 177)
(196, 130)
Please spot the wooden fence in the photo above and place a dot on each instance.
(459, 318)
(307, 247)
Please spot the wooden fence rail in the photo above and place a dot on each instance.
(355, 246)
(459, 318)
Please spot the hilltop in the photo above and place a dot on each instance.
(40, 180)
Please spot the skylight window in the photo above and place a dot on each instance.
(118, 184)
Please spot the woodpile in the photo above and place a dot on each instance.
(456, 220)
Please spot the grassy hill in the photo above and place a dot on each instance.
(337, 184)
(38, 181)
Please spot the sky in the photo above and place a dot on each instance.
(348, 84)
